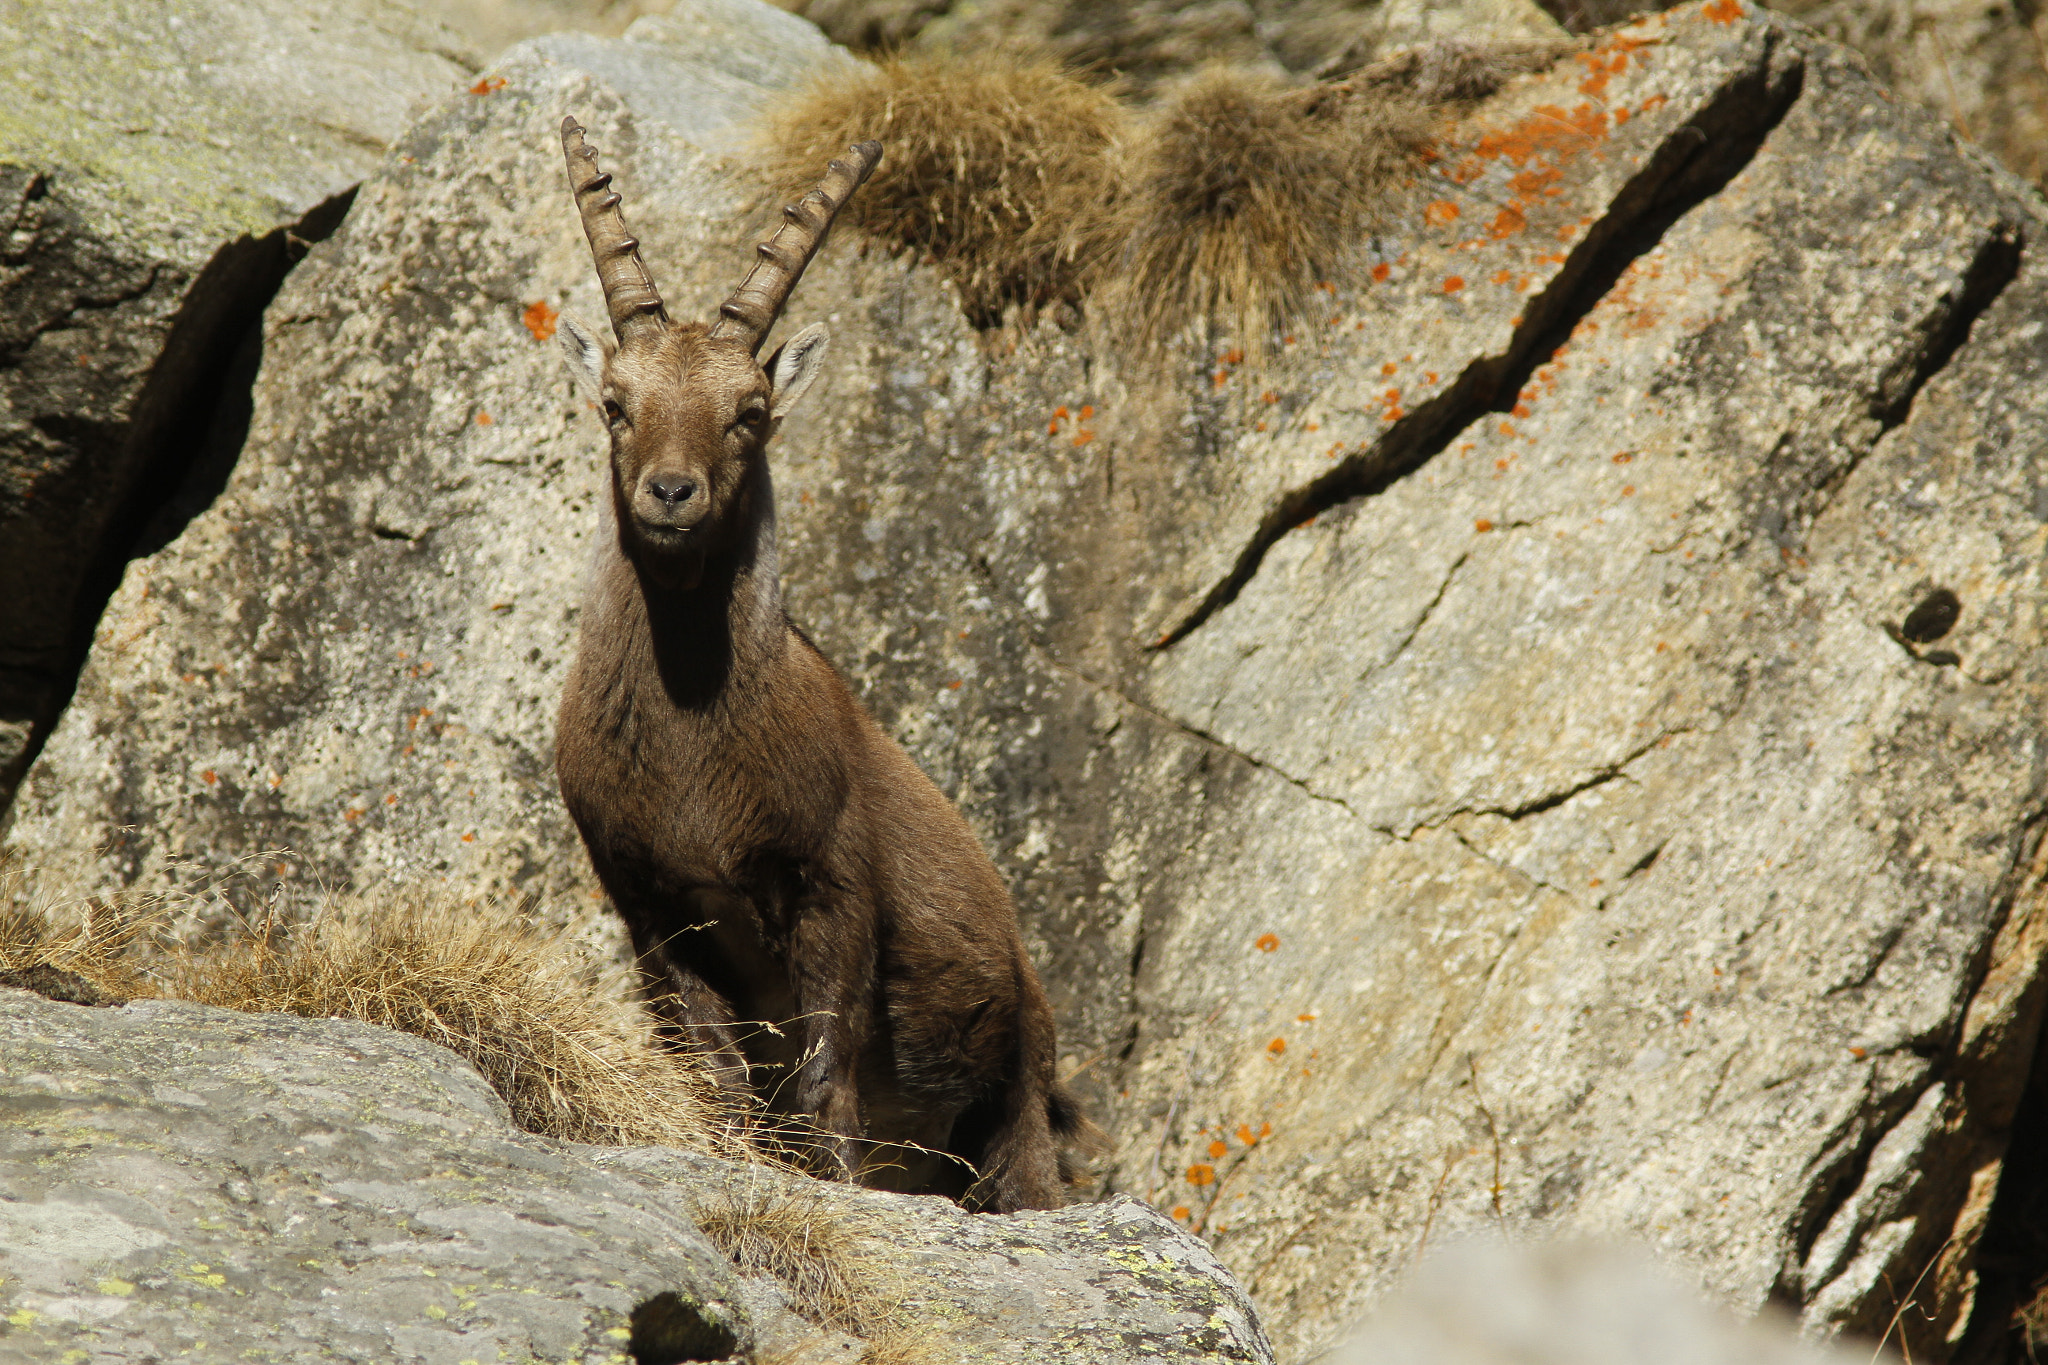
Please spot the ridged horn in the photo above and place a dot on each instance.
(753, 307)
(629, 293)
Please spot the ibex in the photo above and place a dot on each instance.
(808, 910)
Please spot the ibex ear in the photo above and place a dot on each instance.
(793, 367)
(587, 352)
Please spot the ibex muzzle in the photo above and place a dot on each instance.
(776, 857)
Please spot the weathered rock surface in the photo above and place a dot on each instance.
(413, 506)
(1564, 746)
(178, 1180)
(157, 163)
(1155, 40)
(1979, 65)
(1498, 1302)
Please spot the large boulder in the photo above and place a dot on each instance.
(161, 166)
(184, 1180)
(1556, 746)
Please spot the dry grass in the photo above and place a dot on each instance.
(1241, 194)
(555, 1033)
(90, 960)
(983, 160)
(1222, 205)
(833, 1275)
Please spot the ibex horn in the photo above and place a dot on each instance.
(629, 293)
(753, 307)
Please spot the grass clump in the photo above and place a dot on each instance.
(555, 1033)
(1224, 202)
(1243, 192)
(983, 163)
(837, 1278)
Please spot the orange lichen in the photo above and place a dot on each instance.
(1266, 943)
(1201, 1173)
(1454, 284)
(540, 320)
(487, 84)
(484, 419)
(1389, 369)
(1219, 1149)
(1440, 212)
(1722, 11)
(1482, 526)
(1381, 271)
(1277, 1046)
(1182, 1212)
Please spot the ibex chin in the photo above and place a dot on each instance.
(809, 911)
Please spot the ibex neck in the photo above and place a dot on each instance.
(701, 641)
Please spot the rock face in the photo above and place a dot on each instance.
(160, 168)
(1982, 68)
(183, 1180)
(1563, 746)
(1156, 40)
(1492, 1302)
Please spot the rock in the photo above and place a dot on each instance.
(410, 547)
(180, 1179)
(160, 168)
(1503, 763)
(1156, 40)
(1564, 1303)
(1979, 65)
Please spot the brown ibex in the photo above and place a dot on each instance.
(808, 910)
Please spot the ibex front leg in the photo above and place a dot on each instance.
(833, 955)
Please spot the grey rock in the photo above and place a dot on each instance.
(1490, 1301)
(1154, 41)
(178, 1179)
(187, 1179)
(1474, 771)
(160, 167)
(1982, 69)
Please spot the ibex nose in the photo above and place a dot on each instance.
(672, 489)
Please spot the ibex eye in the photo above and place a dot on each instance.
(613, 412)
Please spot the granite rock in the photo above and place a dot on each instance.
(161, 166)
(1560, 746)
(180, 1180)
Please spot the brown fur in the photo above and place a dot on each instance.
(808, 910)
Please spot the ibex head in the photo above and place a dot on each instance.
(690, 408)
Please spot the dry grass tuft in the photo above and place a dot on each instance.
(833, 1275)
(87, 962)
(983, 159)
(572, 1055)
(828, 1270)
(1241, 194)
(1223, 204)
(556, 1034)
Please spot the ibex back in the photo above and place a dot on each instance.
(809, 911)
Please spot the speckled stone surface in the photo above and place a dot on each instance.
(152, 158)
(1539, 810)
(185, 1182)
